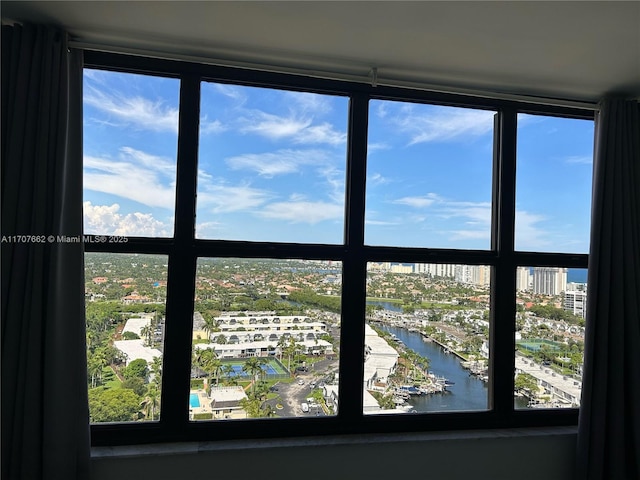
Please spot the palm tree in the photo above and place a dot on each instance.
(229, 373)
(96, 363)
(146, 332)
(209, 326)
(253, 366)
(151, 402)
(94, 367)
(156, 371)
(208, 361)
(290, 350)
(282, 344)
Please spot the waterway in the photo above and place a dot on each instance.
(392, 307)
(468, 392)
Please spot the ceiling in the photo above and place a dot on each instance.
(576, 50)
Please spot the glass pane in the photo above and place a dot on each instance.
(271, 165)
(427, 338)
(130, 141)
(265, 339)
(553, 184)
(551, 309)
(429, 176)
(125, 309)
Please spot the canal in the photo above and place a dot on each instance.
(467, 392)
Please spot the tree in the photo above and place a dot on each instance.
(136, 384)
(230, 374)
(527, 383)
(209, 362)
(147, 332)
(209, 326)
(253, 366)
(156, 371)
(130, 336)
(151, 403)
(138, 368)
(113, 405)
(95, 364)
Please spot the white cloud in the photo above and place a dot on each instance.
(579, 160)
(273, 126)
(105, 220)
(135, 175)
(277, 163)
(335, 179)
(229, 198)
(470, 235)
(476, 213)
(418, 202)
(529, 236)
(441, 124)
(299, 211)
(323, 133)
(382, 109)
(313, 103)
(207, 229)
(376, 146)
(376, 179)
(207, 127)
(137, 111)
(296, 127)
(231, 91)
(380, 222)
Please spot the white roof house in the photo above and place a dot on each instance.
(381, 358)
(134, 349)
(135, 325)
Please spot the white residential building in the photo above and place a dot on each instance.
(575, 301)
(381, 360)
(523, 279)
(549, 280)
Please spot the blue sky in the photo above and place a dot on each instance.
(272, 168)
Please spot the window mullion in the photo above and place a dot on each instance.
(502, 343)
(354, 266)
(182, 264)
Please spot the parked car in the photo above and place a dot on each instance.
(305, 407)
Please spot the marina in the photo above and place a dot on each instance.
(463, 391)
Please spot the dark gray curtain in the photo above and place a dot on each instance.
(609, 427)
(45, 420)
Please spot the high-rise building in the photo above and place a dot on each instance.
(436, 269)
(523, 279)
(473, 274)
(549, 280)
(575, 301)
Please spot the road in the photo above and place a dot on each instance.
(293, 394)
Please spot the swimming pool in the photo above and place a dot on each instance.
(194, 400)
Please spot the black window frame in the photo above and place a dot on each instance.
(184, 248)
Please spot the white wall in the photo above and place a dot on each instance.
(502, 455)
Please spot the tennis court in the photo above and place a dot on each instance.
(272, 368)
(535, 345)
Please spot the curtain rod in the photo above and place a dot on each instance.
(372, 77)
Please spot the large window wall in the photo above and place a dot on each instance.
(309, 256)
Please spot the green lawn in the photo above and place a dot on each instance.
(110, 379)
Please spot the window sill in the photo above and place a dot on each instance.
(192, 448)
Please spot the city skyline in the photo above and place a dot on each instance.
(272, 167)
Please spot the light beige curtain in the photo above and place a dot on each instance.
(45, 421)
